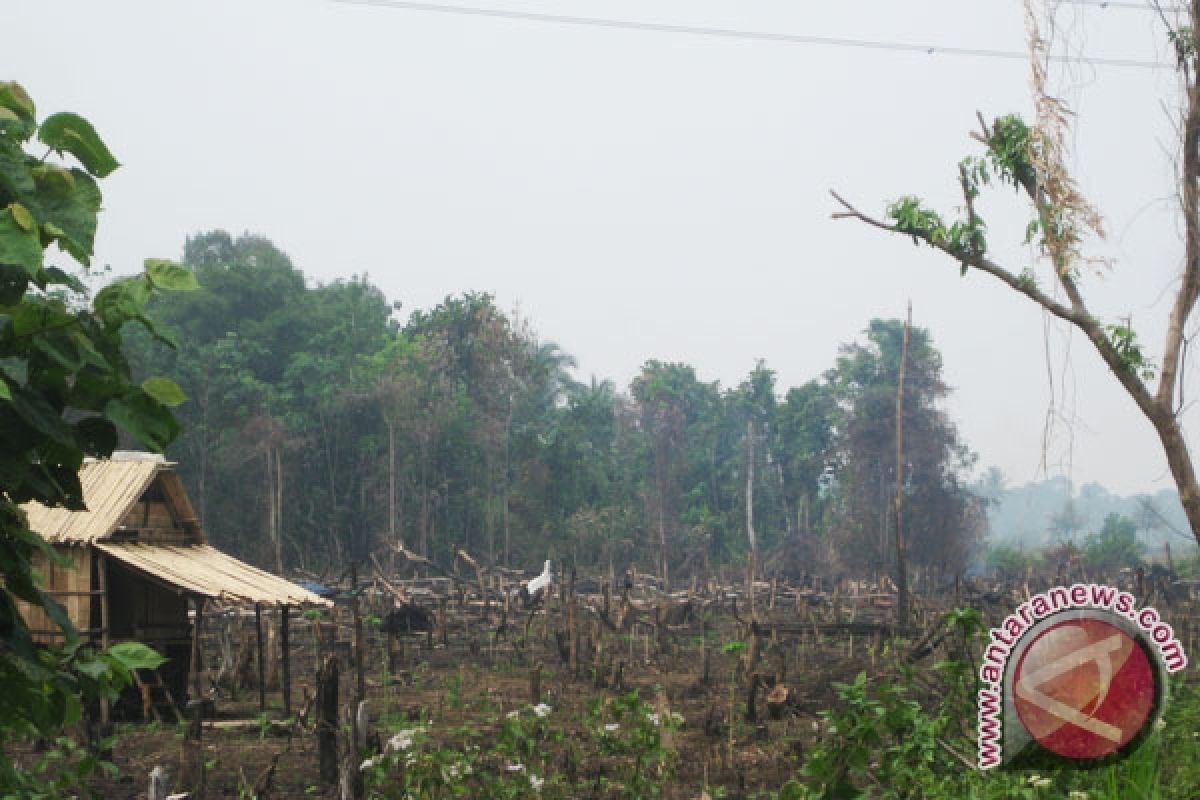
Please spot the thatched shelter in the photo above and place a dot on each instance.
(138, 556)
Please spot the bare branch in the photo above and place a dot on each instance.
(1077, 314)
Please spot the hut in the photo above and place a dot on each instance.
(140, 567)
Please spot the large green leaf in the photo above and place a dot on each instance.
(20, 121)
(96, 436)
(15, 99)
(122, 301)
(18, 245)
(135, 655)
(169, 275)
(38, 414)
(14, 280)
(66, 204)
(143, 417)
(15, 177)
(72, 133)
(164, 390)
(31, 317)
(56, 276)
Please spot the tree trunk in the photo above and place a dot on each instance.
(278, 498)
(1179, 460)
(750, 501)
(391, 431)
(901, 544)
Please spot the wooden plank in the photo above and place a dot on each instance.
(286, 665)
(102, 588)
(262, 667)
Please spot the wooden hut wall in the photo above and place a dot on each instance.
(71, 585)
(152, 519)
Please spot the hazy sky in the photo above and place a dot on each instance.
(641, 194)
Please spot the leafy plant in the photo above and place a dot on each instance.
(65, 389)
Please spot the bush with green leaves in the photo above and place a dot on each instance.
(1115, 546)
(65, 391)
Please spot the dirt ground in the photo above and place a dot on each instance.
(474, 677)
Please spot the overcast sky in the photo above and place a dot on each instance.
(640, 193)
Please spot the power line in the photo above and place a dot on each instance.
(1119, 4)
(734, 33)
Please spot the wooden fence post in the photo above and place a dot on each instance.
(286, 661)
(327, 721)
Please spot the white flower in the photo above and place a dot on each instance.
(402, 740)
(370, 763)
(515, 768)
(653, 717)
(611, 727)
(513, 714)
(1159, 724)
(451, 772)
(1038, 782)
(1077, 795)
(536, 782)
(542, 710)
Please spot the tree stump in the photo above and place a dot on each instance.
(327, 721)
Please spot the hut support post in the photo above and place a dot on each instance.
(285, 662)
(102, 585)
(262, 662)
(191, 774)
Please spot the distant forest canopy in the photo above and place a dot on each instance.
(1054, 511)
(321, 429)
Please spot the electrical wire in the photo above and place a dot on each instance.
(734, 33)
(1119, 4)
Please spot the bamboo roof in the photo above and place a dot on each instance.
(205, 571)
(110, 488)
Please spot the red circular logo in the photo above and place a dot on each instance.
(1084, 688)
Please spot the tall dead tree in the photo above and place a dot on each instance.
(898, 516)
(750, 507)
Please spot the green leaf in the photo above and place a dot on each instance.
(15, 99)
(135, 655)
(96, 669)
(5, 394)
(143, 417)
(169, 275)
(19, 121)
(56, 276)
(164, 390)
(15, 176)
(161, 336)
(66, 204)
(35, 412)
(72, 133)
(22, 217)
(96, 436)
(122, 301)
(18, 245)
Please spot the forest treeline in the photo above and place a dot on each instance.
(321, 428)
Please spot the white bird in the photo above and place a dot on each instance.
(532, 592)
